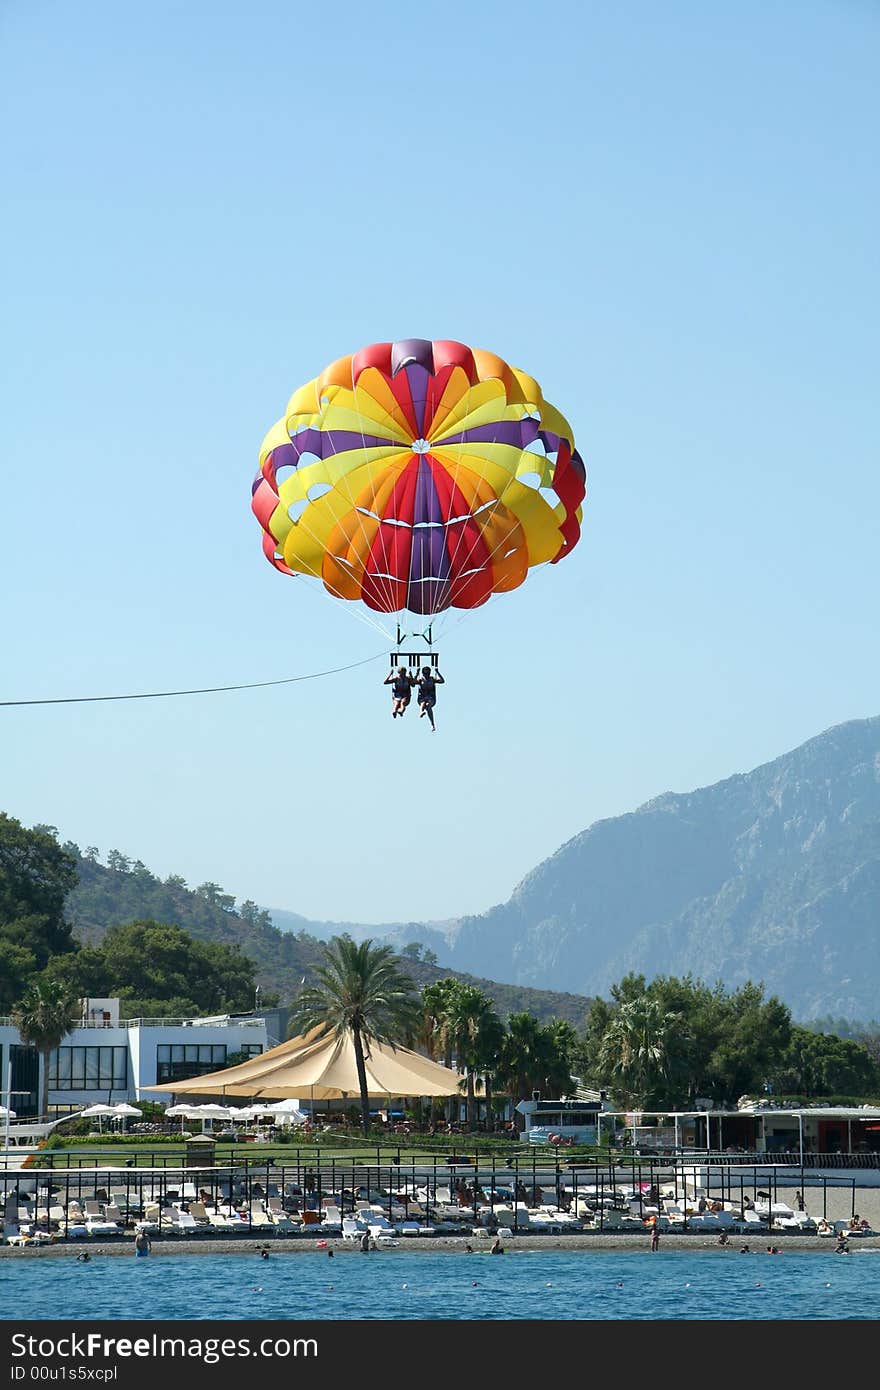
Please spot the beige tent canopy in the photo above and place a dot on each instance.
(322, 1066)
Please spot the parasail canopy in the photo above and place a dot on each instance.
(419, 475)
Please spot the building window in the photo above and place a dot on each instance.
(180, 1061)
(88, 1069)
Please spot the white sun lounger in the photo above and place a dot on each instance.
(182, 1220)
(100, 1227)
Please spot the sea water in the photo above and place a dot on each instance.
(425, 1285)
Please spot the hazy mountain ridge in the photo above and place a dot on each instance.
(106, 896)
(394, 933)
(771, 875)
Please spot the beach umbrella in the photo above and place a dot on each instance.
(182, 1112)
(287, 1112)
(97, 1112)
(124, 1110)
(209, 1113)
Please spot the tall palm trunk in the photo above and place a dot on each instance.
(447, 1062)
(469, 1110)
(362, 1077)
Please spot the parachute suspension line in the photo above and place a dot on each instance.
(203, 690)
(415, 659)
(352, 610)
(345, 604)
(465, 614)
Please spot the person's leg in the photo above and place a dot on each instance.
(430, 712)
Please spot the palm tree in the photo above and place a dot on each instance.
(634, 1049)
(534, 1058)
(559, 1045)
(517, 1063)
(360, 993)
(434, 1032)
(44, 1016)
(476, 1033)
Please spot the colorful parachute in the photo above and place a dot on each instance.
(421, 476)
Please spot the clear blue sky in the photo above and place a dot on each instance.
(667, 213)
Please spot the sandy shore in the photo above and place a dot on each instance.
(585, 1241)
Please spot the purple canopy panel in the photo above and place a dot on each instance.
(428, 588)
(418, 378)
(407, 350)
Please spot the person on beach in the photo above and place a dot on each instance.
(428, 682)
(724, 1238)
(365, 1242)
(497, 1247)
(799, 1201)
(401, 690)
(655, 1236)
(142, 1244)
(842, 1246)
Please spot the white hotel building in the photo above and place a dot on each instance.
(106, 1059)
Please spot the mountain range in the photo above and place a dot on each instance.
(771, 875)
(127, 891)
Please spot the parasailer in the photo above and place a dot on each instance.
(419, 476)
(429, 679)
(401, 683)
